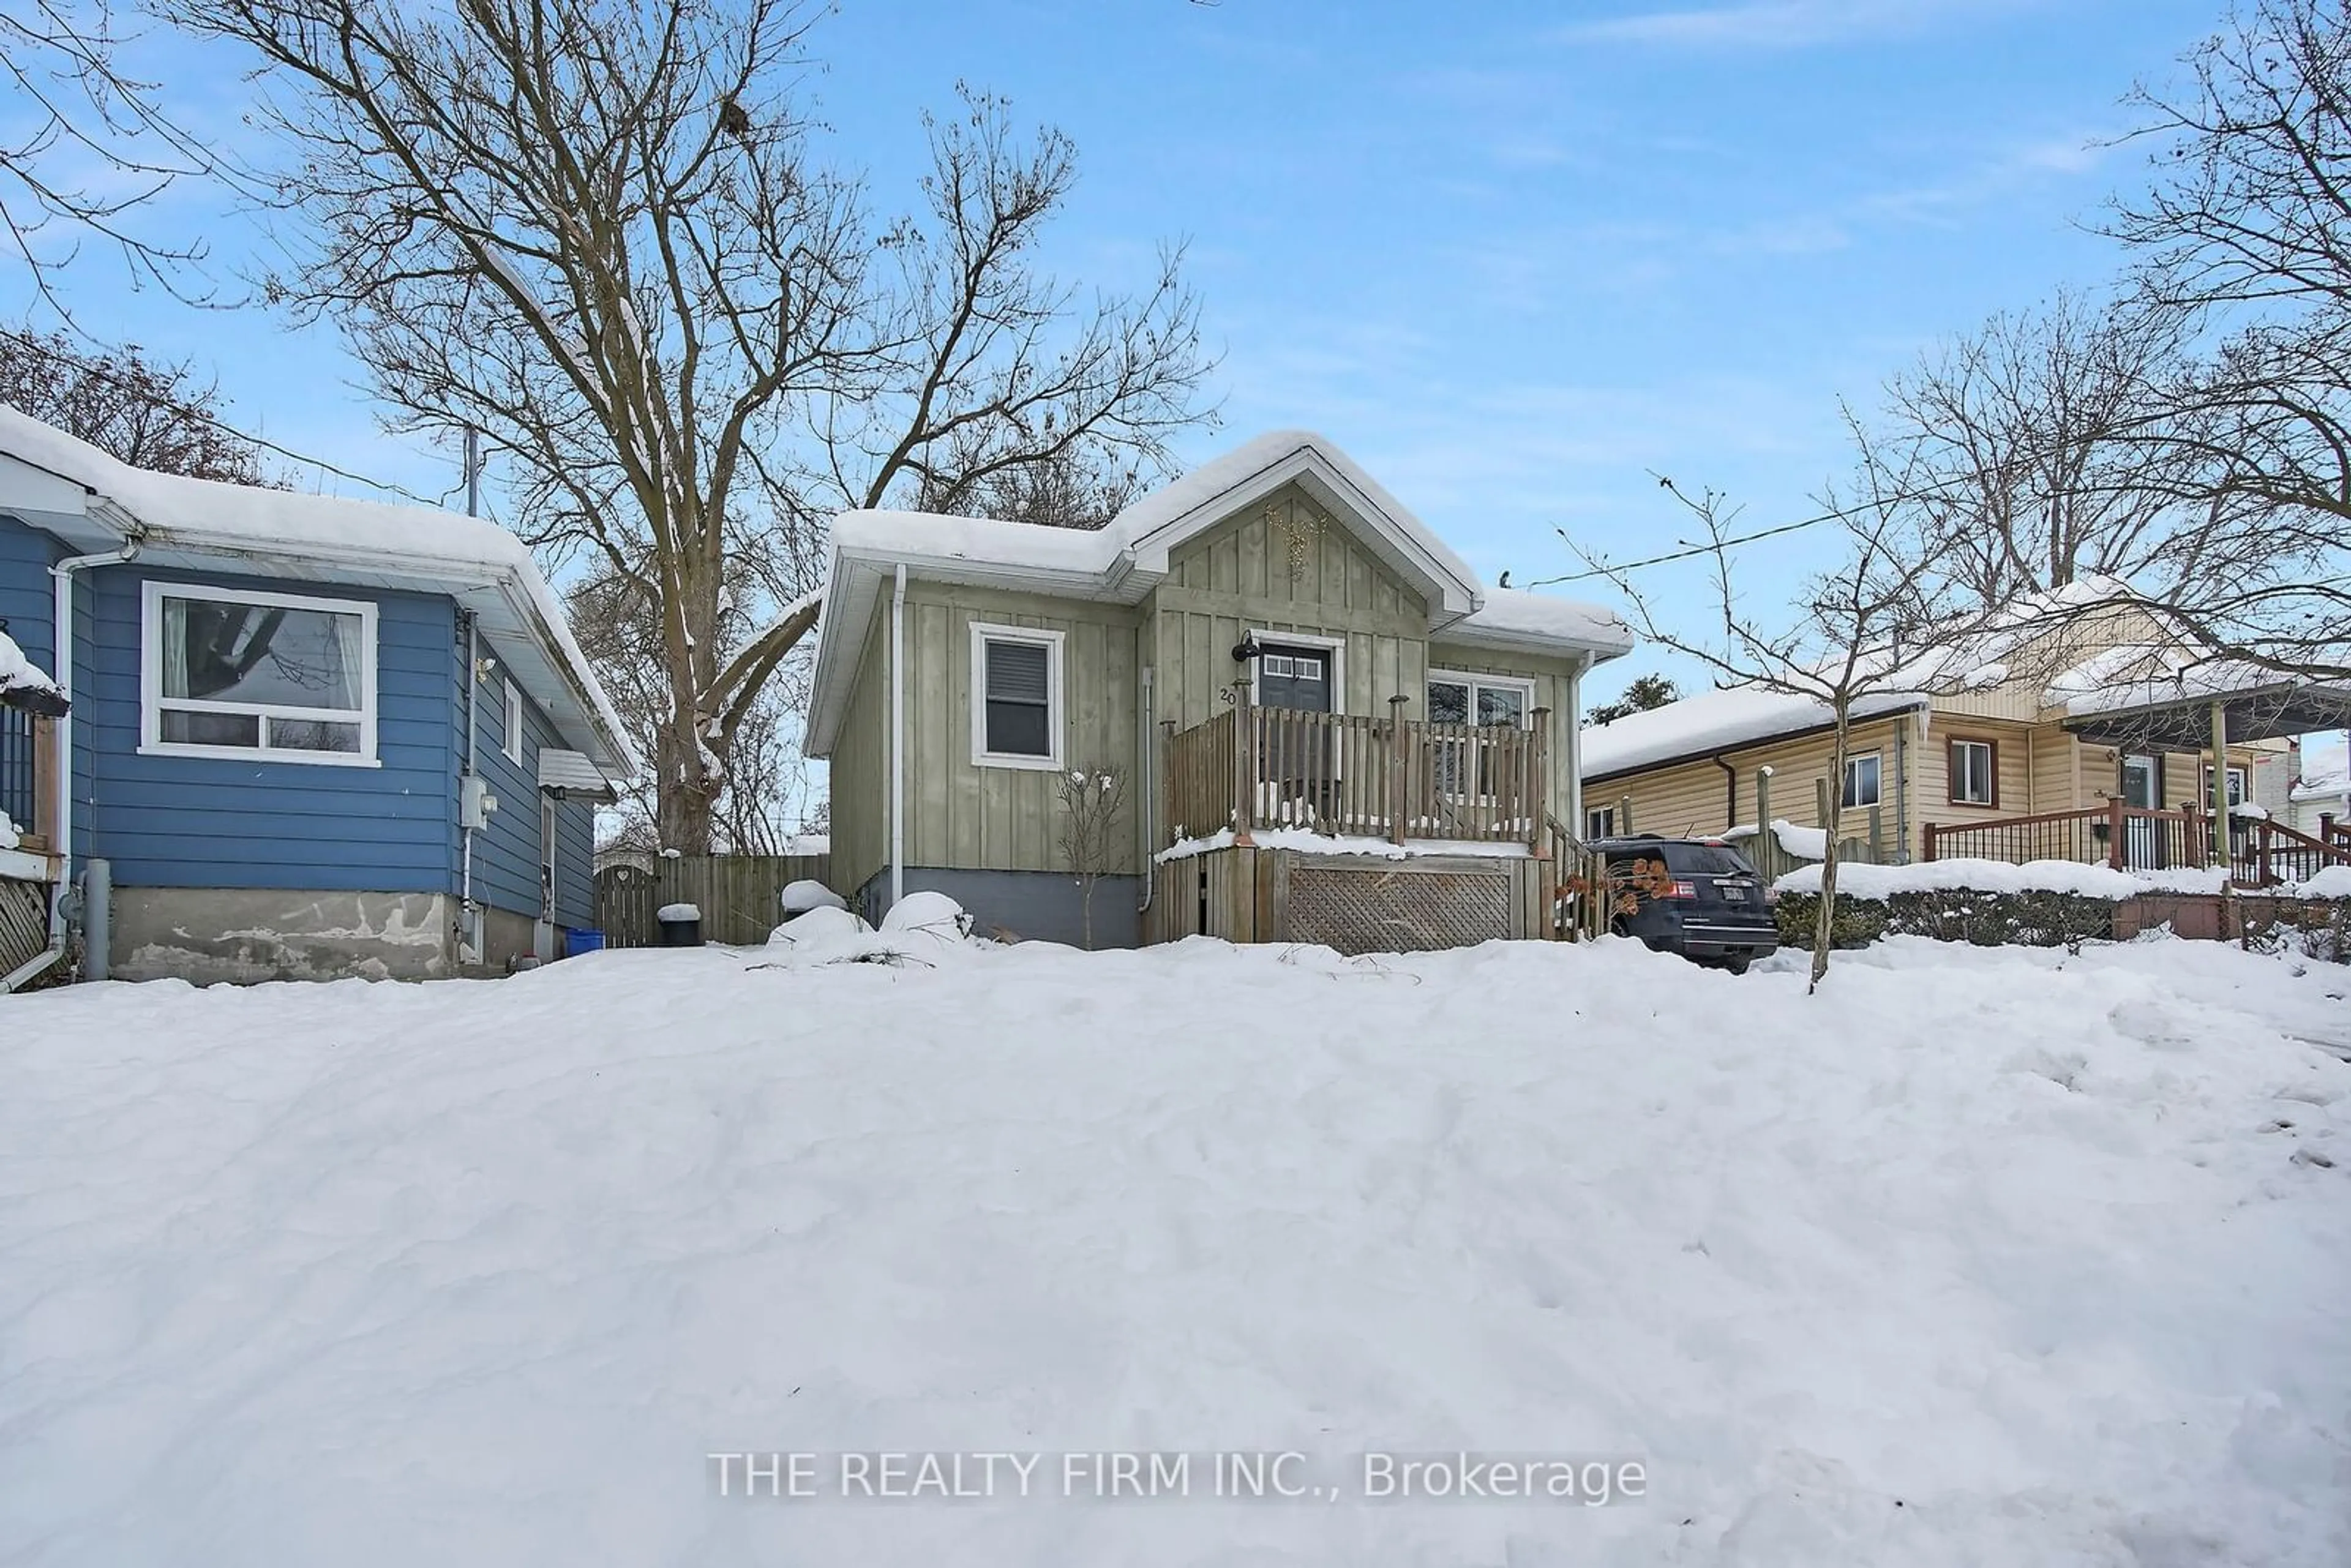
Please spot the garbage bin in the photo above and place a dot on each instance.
(578, 942)
(681, 924)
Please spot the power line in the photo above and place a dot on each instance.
(1686, 554)
(189, 411)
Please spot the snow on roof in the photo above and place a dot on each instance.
(336, 539)
(17, 673)
(1512, 615)
(1716, 721)
(1122, 561)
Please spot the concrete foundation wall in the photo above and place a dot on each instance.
(506, 936)
(1037, 906)
(246, 934)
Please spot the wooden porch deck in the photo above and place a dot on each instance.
(1393, 778)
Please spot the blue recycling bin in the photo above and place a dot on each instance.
(578, 942)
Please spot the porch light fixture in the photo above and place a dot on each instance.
(1246, 649)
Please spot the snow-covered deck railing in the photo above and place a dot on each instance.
(2260, 852)
(1399, 780)
(27, 778)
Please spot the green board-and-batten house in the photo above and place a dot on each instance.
(1269, 646)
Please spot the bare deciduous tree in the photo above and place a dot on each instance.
(603, 233)
(82, 111)
(1091, 800)
(2247, 225)
(2027, 439)
(150, 413)
(1867, 627)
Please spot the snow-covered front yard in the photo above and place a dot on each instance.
(1980, 1258)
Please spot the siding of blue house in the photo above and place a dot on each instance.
(506, 851)
(27, 602)
(196, 821)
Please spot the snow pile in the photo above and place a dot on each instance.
(8, 836)
(1982, 1256)
(674, 911)
(1804, 844)
(18, 677)
(922, 928)
(799, 897)
(1316, 843)
(1859, 880)
(2334, 882)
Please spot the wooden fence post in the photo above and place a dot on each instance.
(2116, 827)
(1244, 764)
(1829, 823)
(1536, 800)
(1624, 815)
(1767, 842)
(1399, 770)
(1927, 831)
(1877, 835)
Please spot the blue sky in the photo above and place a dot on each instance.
(1513, 256)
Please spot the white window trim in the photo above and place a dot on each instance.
(1595, 830)
(984, 632)
(1850, 763)
(151, 680)
(1473, 680)
(512, 746)
(1335, 646)
(1991, 762)
(2237, 772)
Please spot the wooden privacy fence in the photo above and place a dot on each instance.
(1349, 773)
(737, 894)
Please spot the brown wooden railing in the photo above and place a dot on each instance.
(1352, 774)
(2260, 852)
(1578, 882)
(28, 779)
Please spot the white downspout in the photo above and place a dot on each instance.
(898, 737)
(61, 805)
(1574, 726)
(1147, 807)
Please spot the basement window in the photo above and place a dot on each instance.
(1016, 697)
(238, 674)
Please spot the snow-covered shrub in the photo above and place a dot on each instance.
(2318, 928)
(803, 895)
(2031, 917)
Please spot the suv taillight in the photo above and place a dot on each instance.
(1683, 890)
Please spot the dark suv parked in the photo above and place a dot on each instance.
(1698, 897)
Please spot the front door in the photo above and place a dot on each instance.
(1294, 767)
(545, 933)
(2142, 791)
(1294, 677)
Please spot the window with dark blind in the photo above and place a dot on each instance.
(1019, 701)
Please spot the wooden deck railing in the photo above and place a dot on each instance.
(2260, 852)
(1351, 774)
(28, 764)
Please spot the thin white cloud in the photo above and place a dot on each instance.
(1778, 23)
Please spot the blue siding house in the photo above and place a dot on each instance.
(308, 737)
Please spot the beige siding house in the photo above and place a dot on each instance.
(2019, 743)
(1269, 646)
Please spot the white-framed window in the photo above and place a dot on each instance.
(1600, 823)
(515, 732)
(1455, 697)
(2239, 786)
(1974, 773)
(1861, 781)
(243, 674)
(1016, 697)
